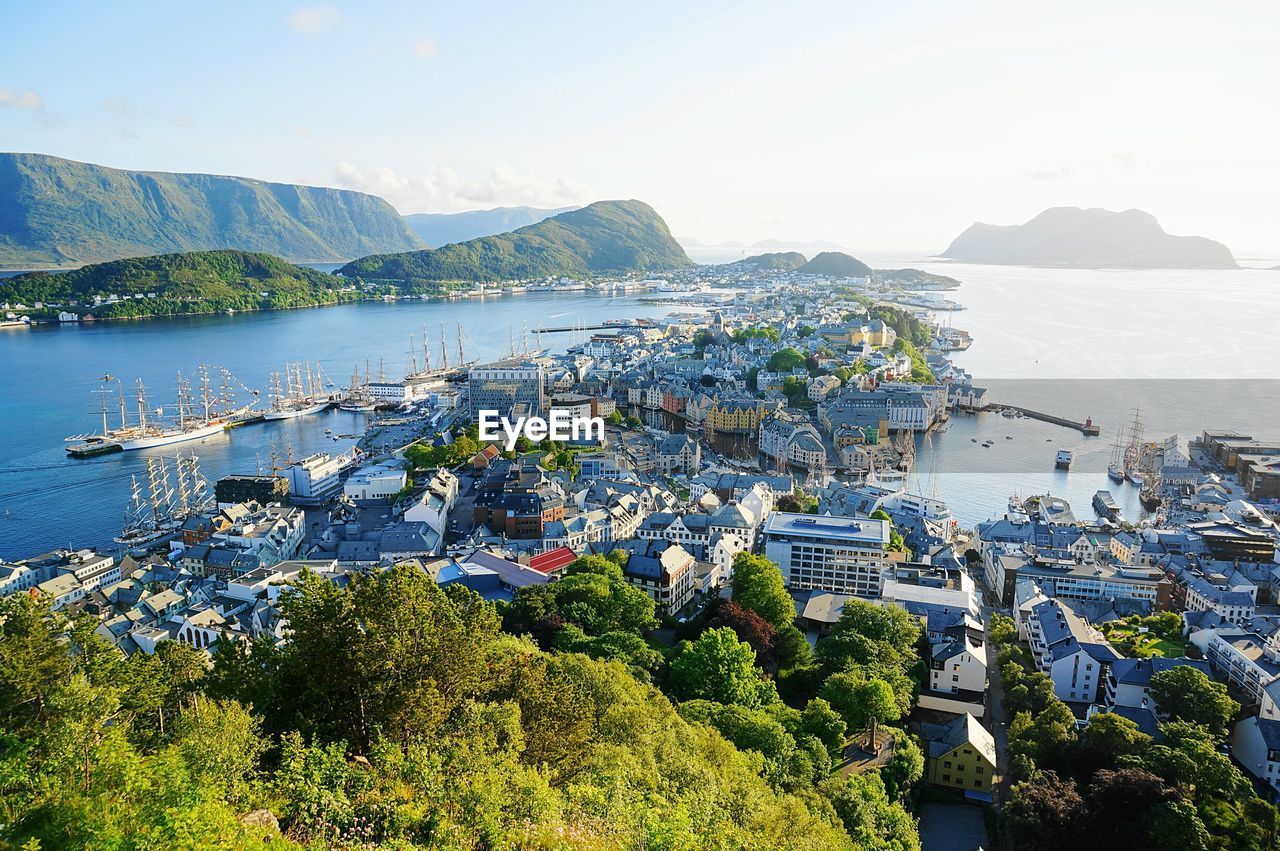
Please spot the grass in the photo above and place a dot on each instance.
(1144, 645)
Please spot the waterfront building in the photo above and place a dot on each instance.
(375, 482)
(318, 478)
(264, 490)
(739, 416)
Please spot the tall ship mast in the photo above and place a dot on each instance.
(151, 429)
(163, 509)
(305, 393)
(1115, 469)
(1133, 463)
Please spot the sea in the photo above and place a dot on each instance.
(1187, 351)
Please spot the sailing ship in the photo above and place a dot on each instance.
(1115, 469)
(357, 398)
(1133, 454)
(167, 502)
(193, 419)
(303, 392)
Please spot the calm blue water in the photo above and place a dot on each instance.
(50, 375)
(1072, 343)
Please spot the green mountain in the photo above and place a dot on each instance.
(604, 237)
(174, 284)
(56, 212)
(446, 228)
(1088, 239)
(836, 264)
(779, 260)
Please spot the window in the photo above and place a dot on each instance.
(981, 769)
(977, 783)
(946, 764)
(946, 778)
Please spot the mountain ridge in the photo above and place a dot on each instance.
(600, 238)
(60, 212)
(1092, 238)
(438, 229)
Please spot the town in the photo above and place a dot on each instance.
(761, 438)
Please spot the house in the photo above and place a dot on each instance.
(960, 755)
(957, 668)
(1070, 652)
(678, 454)
(667, 576)
(1129, 680)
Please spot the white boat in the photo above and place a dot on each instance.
(1116, 472)
(358, 407)
(1063, 461)
(1136, 477)
(149, 438)
(289, 413)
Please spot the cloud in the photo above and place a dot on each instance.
(426, 47)
(443, 190)
(27, 100)
(1051, 173)
(313, 19)
(181, 120)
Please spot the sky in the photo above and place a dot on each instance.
(874, 125)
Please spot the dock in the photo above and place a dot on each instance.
(1088, 428)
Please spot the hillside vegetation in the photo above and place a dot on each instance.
(602, 238)
(193, 282)
(56, 212)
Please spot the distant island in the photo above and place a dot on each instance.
(178, 284)
(836, 264)
(777, 260)
(1088, 239)
(607, 237)
(436, 229)
(57, 213)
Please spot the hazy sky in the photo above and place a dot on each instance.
(872, 126)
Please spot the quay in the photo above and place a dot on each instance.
(1088, 428)
(617, 326)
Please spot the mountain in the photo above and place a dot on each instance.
(1088, 239)
(836, 264)
(56, 212)
(187, 283)
(780, 260)
(445, 228)
(604, 237)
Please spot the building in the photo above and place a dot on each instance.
(1070, 652)
(1129, 681)
(961, 755)
(739, 416)
(318, 478)
(411, 389)
(667, 575)
(264, 490)
(375, 482)
(678, 453)
(838, 554)
(510, 388)
(791, 441)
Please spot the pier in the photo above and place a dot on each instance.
(601, 327)
(1088, 428)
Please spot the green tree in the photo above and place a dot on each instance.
(859, 699)
(905, 768)
(1184, 693)
(720, 668)
(820, 720)
(757, 585)
(870, 818)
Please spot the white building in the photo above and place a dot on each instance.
(1071, 652)
(828, 553)
(318, 477)
(376, 481)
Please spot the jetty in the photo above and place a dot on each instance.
(1088, 428)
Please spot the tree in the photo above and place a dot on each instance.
(614, 418)
(870, 818)
(1044, 814)
(1108, 737)
(1118, 803)
(719, 667)
(905, 768)
(798, 502)
(220, 743)
(785, 360)
(1001, 630)
(33, 662)
(820, 720)
(748, 626)
(1184, 693)
(757, 585)
(859, 699)
(597, 564)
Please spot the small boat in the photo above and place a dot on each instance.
(1008, 437)
(1136, 477)
(1105, 504)
(973, 440)
(1063, 460)
(1116, 473)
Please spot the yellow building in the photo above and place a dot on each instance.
(961, 755)
(875, 334)
(739, 416)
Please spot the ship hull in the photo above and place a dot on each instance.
(294, 414)
(169, 438)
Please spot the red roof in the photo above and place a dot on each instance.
(551, 561)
